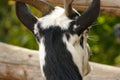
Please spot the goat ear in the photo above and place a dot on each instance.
(25, 16)
(88, 17)
(68, 7)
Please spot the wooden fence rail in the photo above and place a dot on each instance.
(111, 7)
(23, 64)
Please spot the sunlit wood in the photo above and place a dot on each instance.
(23, 64)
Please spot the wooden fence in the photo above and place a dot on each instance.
(22, 64)
(111, 7)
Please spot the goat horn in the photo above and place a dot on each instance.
(25, 16)
(41, 5)
(88, 17)
(68, 7)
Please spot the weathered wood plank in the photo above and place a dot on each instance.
(111, 7)
(104, 3)
(23, 64)
(103, 72)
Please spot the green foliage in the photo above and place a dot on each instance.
(103, 42)
(11, 30)
(105, 48)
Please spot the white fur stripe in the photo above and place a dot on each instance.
(42, 55)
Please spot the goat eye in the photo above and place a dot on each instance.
(37, 37)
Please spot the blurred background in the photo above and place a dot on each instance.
(103, 42)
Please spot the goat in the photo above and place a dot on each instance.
(62, 37)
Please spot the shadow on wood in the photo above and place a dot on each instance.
(23, 64)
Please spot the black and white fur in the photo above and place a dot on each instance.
(60, 46)
(63, 48)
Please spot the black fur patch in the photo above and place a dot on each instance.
(81, 41)
(68, 36)
(71, 28)
(59, 64)
(74, 15)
